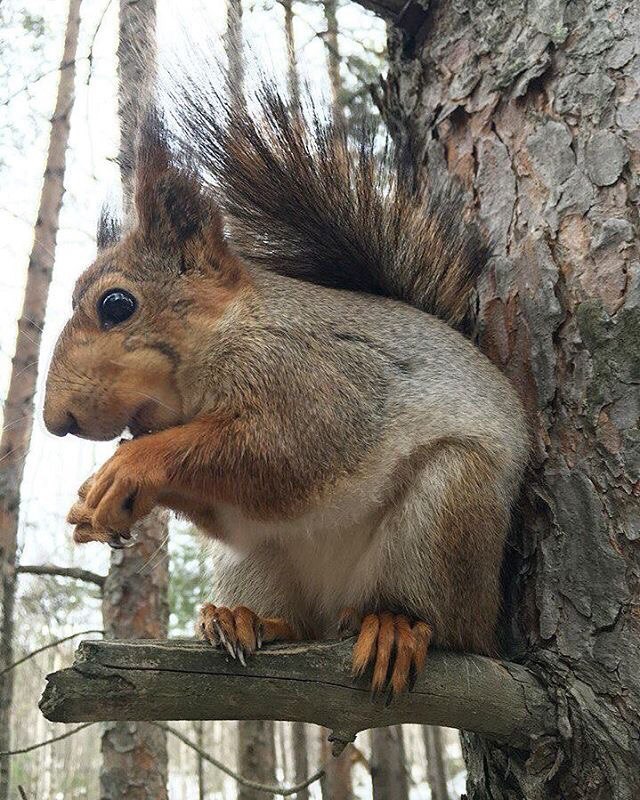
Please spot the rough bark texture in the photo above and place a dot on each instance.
(135, 597)
(183, 679)
(388, 771)
(300, 756)
(17, 418)
(256, 756)
(135, 605)
(537, 109)
(336, 784)
(436, 769)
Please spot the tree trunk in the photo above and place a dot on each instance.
(293, 81)
(18, 408)
(198, 726)
(256, 756)
(234, 51)
(337, 783)
(333, 60)
(135, 599)
(536, 109)
(135, 606)
(300, 756)
(436, 769)
(388, 770)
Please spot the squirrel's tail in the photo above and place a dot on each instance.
(302, 199)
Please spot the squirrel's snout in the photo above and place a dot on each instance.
(67, 424)
(63, 424)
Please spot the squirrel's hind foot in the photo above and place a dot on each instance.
(390, 646)
(239, 630)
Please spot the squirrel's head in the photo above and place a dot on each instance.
(131, 354)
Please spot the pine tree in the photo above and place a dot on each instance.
(19, 403)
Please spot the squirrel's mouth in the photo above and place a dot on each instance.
(139, 426)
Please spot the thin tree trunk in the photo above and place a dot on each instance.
(337, 783)
(333, 60)
(436, 769)
(293, 80)
(538, 111)
(300, 756)
(135, 600)
(234, 51)
(18, 408)
(199, 731)
(256, 756)
(388, 769)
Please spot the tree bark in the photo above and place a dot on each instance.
(332, 47)
(300, 756)
(234, 51)
(135, 606)
(436, 768)
(388, 769)
(18, 408)
(256, 756)
(135, 597)
(293, 81)
(199, 731)
(336, 783)
(307, 682)
(536, 108)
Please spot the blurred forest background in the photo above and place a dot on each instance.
(62, 111)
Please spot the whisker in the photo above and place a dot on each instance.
(154, 555)
(33, 322)
(16, 421)
(10, 453)
(156, 400)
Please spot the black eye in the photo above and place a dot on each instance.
(115, 306)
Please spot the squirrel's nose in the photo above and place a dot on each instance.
(66, 424)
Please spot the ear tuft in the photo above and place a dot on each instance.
(172, 205)
(109, 228)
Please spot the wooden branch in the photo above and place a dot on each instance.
(310, 682)
(63, 572)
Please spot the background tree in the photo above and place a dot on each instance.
(19, 403)
(388, 764)
(293, 81)
(337, 783)
(539, 116)
(334, 60)
(436, 766)
(135, 601)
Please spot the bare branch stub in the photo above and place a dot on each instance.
(309, 682)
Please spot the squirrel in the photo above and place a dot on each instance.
(278, 328)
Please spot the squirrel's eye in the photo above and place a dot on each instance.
(115, 306)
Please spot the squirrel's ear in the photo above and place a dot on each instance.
(171, 205)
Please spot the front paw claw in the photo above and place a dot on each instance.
(239, 630)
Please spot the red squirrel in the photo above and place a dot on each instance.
(280, 339)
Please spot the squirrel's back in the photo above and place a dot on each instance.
(303, 199)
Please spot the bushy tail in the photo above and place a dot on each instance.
(302, 199)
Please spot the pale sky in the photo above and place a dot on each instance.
(56, 467)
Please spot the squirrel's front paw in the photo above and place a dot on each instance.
(392, 647)
(111, 501)
(239, 630)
